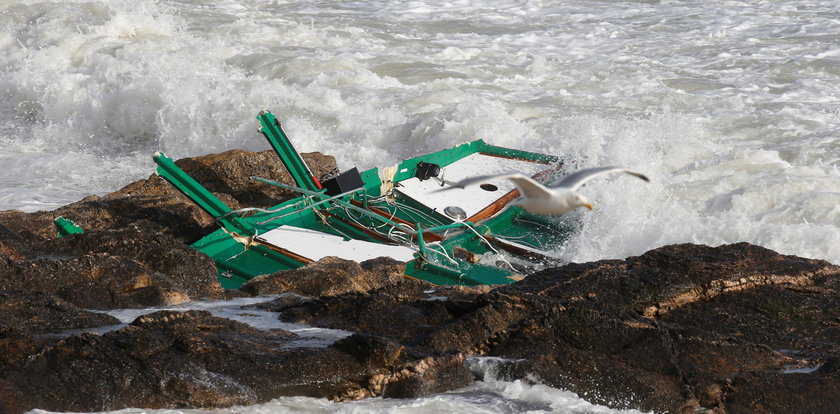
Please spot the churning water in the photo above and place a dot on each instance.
(731, 107)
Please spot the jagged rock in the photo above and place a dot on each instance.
(106, 269)
(407, 311)
(429, 376)
(371, 350)
(679, 328)
(26, 318)
(170, 263)
(157, 203)
(12, 244)
(16, 345)
(329, 276)
(38, 312)
(659, 331)
(229, 173)
(192, 359)
(683, 328)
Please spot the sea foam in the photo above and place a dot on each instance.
(731, 112)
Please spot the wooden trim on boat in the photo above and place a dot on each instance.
(382, 213)
(499, 204)
(363, 229)
(293, 256)
(494, 208)
(427, 237)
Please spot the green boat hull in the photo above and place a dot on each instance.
(444, 250)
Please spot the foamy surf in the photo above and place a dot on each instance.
(731, 115)
(729, 107)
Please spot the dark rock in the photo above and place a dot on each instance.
(38, 312)
(159, 205)
(663, 331)
(371, 350)
(170, 263)
(229, 173)
(13, 244)
(408, 311)
(683, 328)
(329, 276)
(12, 399)
(27, 317)
(429, 376)
(114, 269)
(153, 202)
(192, 359)
(16, 345)
(763, 391)
(672, 330)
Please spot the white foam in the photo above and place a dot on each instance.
(239, 310)
(732, 115)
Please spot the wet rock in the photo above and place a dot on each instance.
(132, 252)
(192, 359)
(38, 312)
(662, 331)
(407, 311)
(29, 322)
(429, 376)
(806, 391)
(107, 269)
(12, 399)
(371, 350)
(158, 204)
(181, 267)
(329, 276)
(229, 173)
(152, 201)
(16, 345)
(678, 329)
(401, 374)
(12, 244)
(683, 328)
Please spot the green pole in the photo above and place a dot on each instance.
(198, 194)
(270, 127)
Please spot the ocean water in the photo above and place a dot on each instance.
(732, 108)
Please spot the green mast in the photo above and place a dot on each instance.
(270, 127)
(199, 195)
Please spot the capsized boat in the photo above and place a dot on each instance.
(462, 236)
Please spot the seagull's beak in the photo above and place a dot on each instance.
(589, 206)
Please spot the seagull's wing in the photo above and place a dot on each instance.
(578, 178)
(526, 185)
(473, 180)
(528, 188)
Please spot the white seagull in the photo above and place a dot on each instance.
(558, 199)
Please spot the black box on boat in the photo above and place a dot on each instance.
(346, 181)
